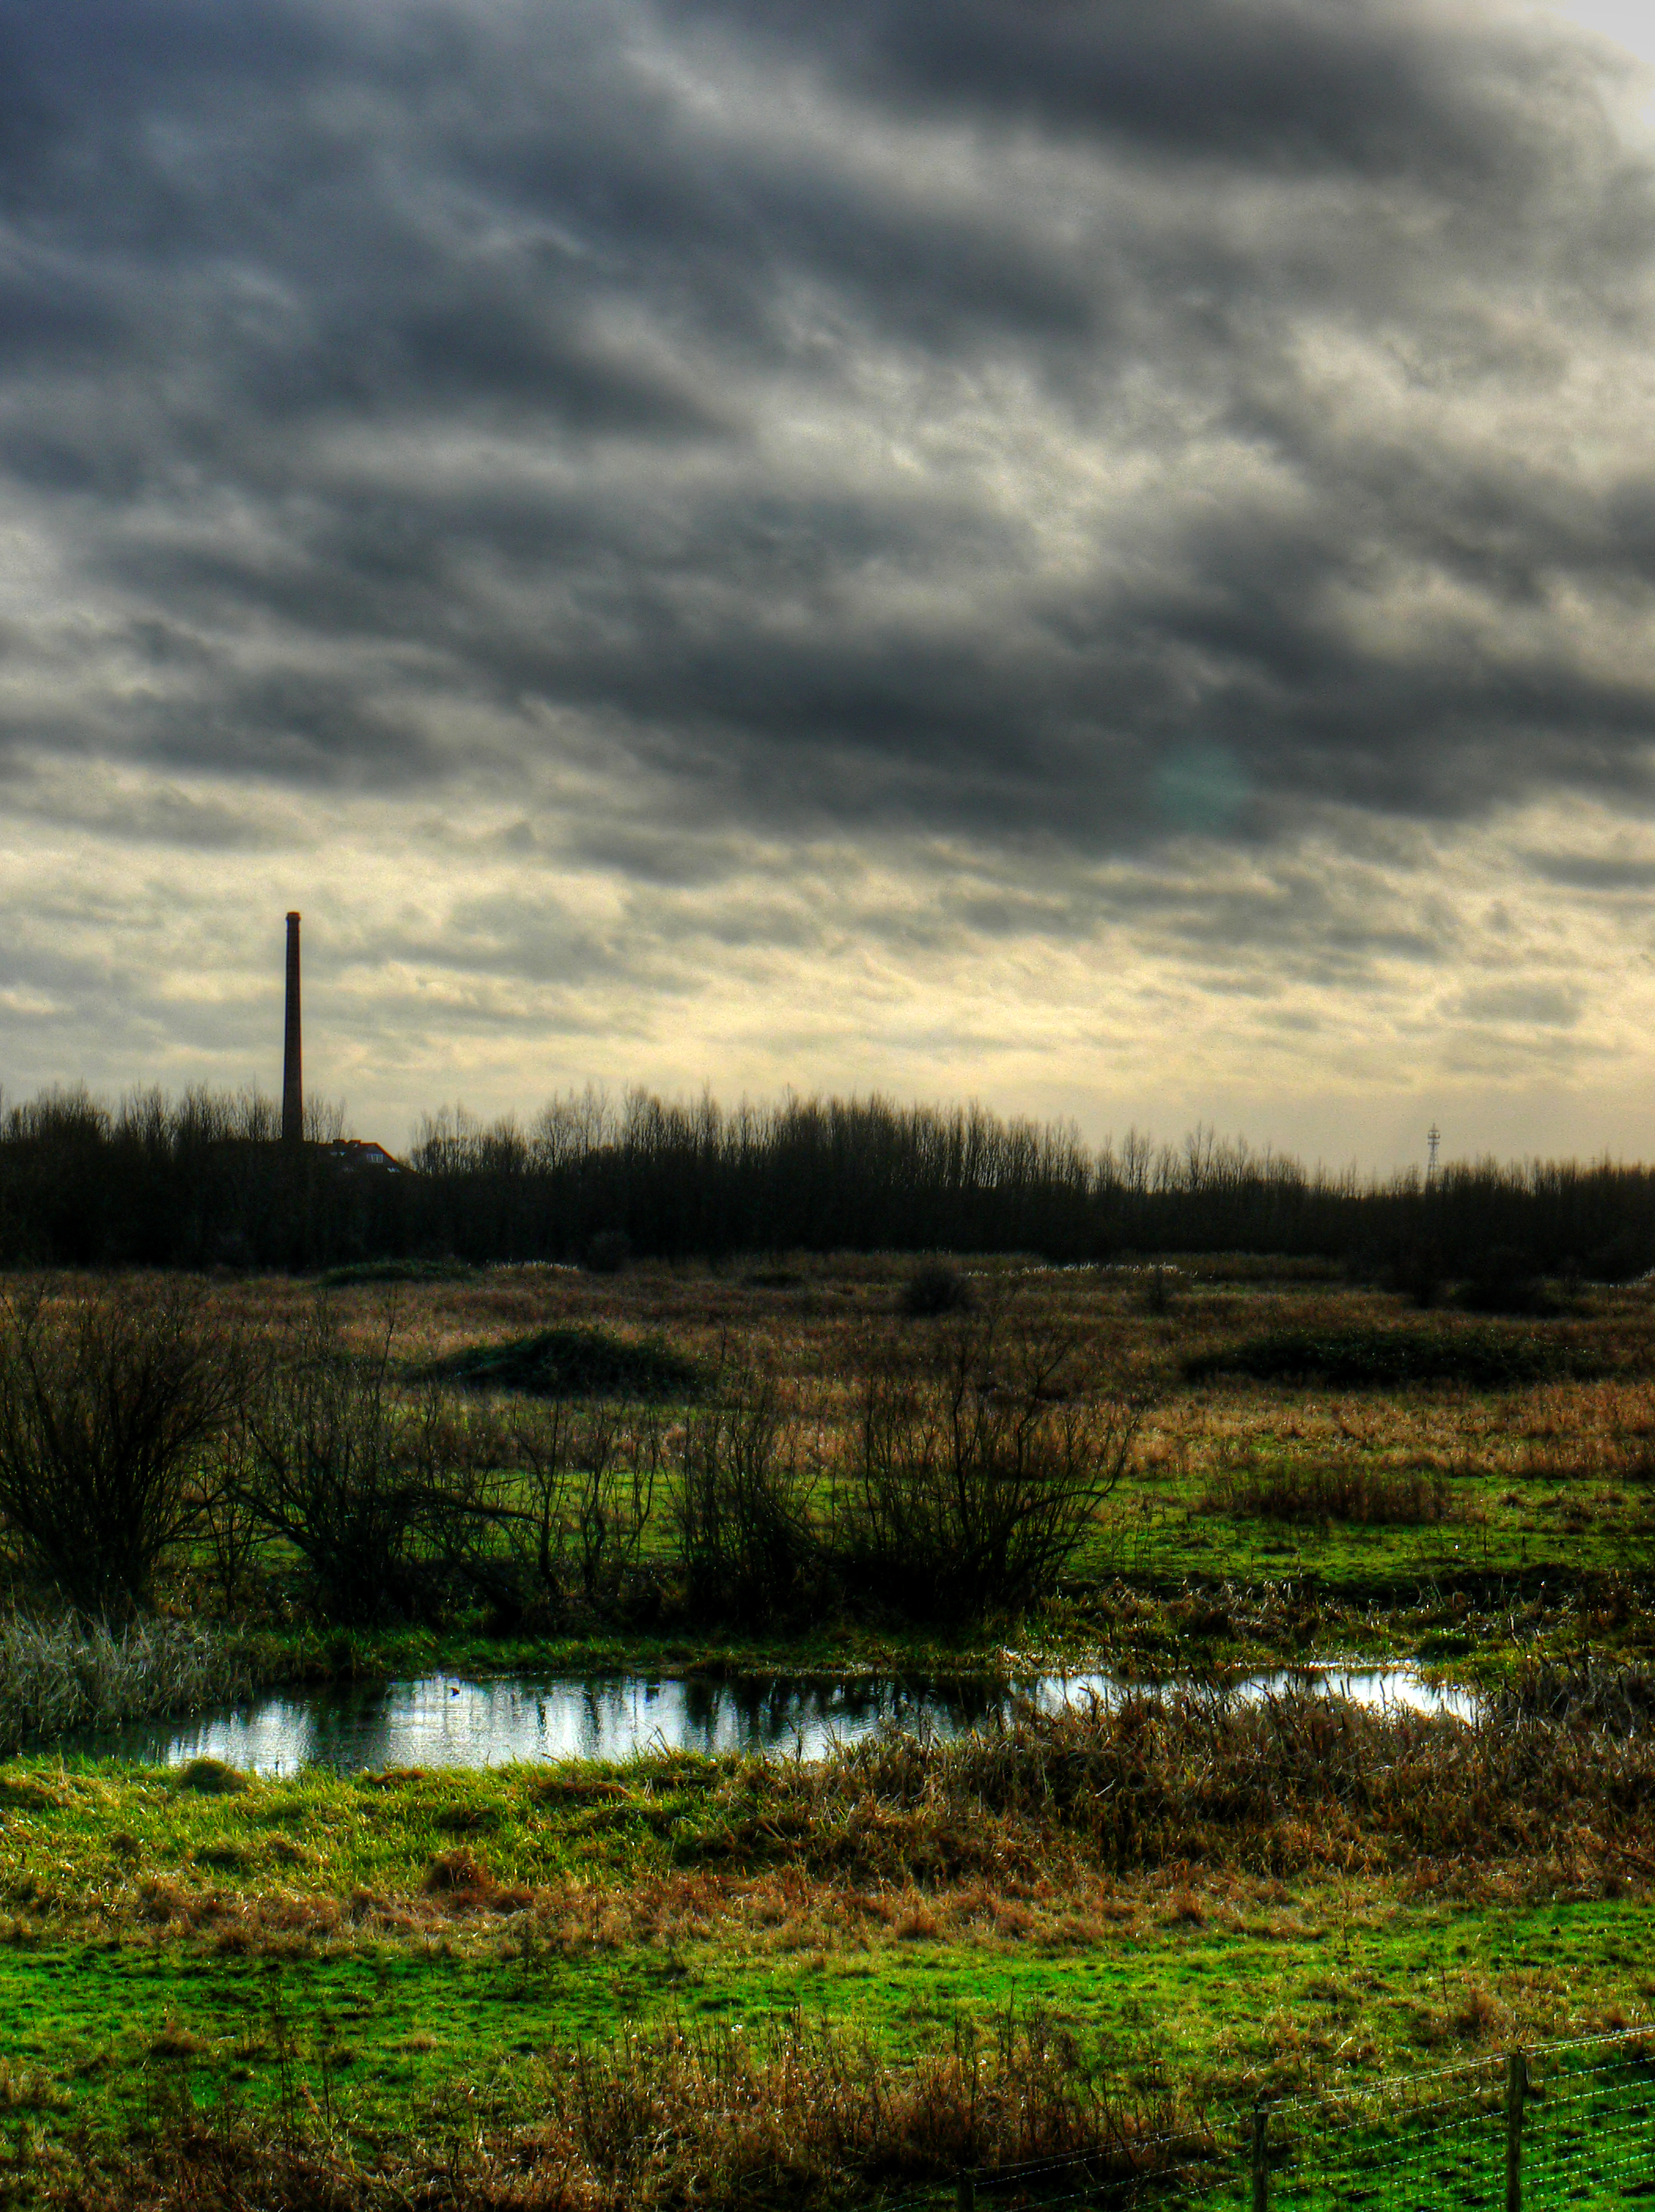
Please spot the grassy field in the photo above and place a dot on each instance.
(1519, 1496)
(357, 1954)
(391, 1976)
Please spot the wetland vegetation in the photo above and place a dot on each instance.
(741, 1978)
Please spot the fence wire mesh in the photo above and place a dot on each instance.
(1565, 2127)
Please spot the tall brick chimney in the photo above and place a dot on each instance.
(293, 1088)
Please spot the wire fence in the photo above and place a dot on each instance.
(1565, 2126)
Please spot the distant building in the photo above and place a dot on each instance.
(358, 1156)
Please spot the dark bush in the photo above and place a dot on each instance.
(574, 1363)
(1419, 1274)
(1505, 1281)
(974, 1476)
(934, 1289)
(1390, 1358)
(111, 1408)
(608, 1252)
(742, 1509)
(1622, 1260)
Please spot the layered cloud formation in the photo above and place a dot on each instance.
(1095, 555)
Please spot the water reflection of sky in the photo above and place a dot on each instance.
(441, 1721)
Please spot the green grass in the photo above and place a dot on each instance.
(1165, 1531)
(292, 1924)
(1360, 1985)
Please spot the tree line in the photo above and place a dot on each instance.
(204, 1180)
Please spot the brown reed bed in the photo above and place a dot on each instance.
(67, 1673)
(1293, 1782)
(1367, 1497)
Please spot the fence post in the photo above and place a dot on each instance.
(1516, 2088)
(1261, 2157)
(967, 2193)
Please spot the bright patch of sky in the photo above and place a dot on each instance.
(1630, 23)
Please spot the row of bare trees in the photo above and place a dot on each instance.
(199, 1181)
(139, 1434)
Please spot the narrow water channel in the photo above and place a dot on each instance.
(443, 1720)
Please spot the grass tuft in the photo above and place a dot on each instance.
(1368, 1496)
(395, 1271)
(211, 1778)
(459, 1873)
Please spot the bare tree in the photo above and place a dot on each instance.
(111, 1404)
(975, 1473)
(370, 1482)
(589, 1480)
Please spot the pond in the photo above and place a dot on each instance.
(443, 1720)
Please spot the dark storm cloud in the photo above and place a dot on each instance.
(1051, 421)
(1588, 872)
(1375, 91)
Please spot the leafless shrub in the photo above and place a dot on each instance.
(110, 1406)
(372, 1486)
(742, 1504)
(972, 1477)
(230, 1530)
(543, 1443)
(590, 1476)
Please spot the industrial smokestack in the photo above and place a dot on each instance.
(293, 1087)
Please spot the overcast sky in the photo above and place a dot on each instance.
(1091, 556)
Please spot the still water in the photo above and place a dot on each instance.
(443, 1720)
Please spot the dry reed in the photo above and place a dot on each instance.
(63, 1674)
(804, 2116)
(1372, 1497)
(1292, 1781)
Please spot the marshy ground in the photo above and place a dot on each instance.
(1515, 1448)
(1171, 1906)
